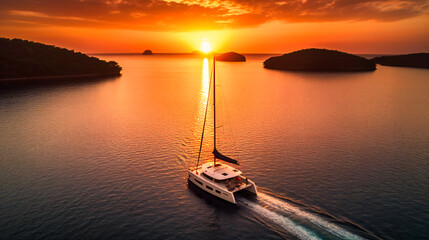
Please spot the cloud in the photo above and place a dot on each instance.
(184, 15)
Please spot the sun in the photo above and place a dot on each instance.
(206, 47)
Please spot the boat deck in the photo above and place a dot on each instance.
(234, 184)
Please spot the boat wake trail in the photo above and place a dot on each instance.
(282, 221)
(296, 220)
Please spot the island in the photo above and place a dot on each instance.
(147, 52)
(22, 59)
(416, 60)
(325, 60)
(231, 57)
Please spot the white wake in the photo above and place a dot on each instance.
(282, 221)
(291, 226)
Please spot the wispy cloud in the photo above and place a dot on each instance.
(182, 15)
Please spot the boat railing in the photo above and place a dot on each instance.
(194, 168)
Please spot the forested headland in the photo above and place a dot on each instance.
(26, 59)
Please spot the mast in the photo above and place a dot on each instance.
(216, 153)
(214, 106)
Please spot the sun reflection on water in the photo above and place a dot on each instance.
(199, 117)
(205, 84)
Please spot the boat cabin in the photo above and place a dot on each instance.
(220, 171)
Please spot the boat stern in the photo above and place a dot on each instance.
(251, 187)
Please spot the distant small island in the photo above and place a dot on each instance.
(231, 57)
(147, 52)
(417, 60)
(26, 59)
(319, 60)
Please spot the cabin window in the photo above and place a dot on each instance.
(209, 188)
(218, 191)
(198, 181)
(225, 174)
(235, 170)
(209, 166)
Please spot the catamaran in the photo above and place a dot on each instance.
(216, 178)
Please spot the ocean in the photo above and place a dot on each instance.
(334, 155)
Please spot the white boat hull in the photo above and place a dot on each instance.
(217, 189)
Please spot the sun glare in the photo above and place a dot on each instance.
(206, 47)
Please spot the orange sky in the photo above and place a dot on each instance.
(247, 26)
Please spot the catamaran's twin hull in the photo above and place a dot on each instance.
(214, 188)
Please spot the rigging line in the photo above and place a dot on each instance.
(225, 110)
(205, 118)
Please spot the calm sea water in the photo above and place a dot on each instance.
(335, 155)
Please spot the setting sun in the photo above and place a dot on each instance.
(206, 47)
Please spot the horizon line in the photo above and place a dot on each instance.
(190, 53)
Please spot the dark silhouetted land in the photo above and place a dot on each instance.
(231, 57)
(320, 60)
(147, 52)
(417, 60)
(25, 59)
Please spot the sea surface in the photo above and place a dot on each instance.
(334, 155)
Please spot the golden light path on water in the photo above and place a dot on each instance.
(205, 84)
(200, 113)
